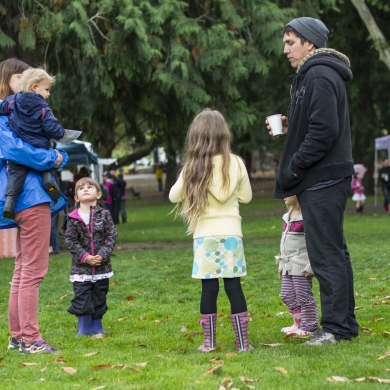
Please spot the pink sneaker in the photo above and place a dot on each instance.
(289, 329)
(299, 332)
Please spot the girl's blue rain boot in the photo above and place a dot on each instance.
(84, 325)
(96, 326)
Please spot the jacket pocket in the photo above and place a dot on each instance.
(286, 177)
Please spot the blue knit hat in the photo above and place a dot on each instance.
(311, 29)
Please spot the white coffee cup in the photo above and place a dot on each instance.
(275, 121)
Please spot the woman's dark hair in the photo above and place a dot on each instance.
(289, 30)
(8, 68)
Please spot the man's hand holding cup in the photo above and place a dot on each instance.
(277, 125)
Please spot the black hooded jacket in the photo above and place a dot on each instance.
(318, 143)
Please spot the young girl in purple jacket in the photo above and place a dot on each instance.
(358, 193)
(91, 238)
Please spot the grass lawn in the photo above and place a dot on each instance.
(154, 308)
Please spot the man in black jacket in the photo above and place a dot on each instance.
(316, 165)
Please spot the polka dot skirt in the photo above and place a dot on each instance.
(218, 257)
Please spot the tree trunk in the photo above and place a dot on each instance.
(376, 34)
(170, 169)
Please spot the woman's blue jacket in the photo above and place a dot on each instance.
(14, 149)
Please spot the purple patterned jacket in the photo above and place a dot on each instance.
(98, 238)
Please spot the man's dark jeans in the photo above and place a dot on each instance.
(323, 217)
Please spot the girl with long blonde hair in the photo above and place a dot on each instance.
(208, 191)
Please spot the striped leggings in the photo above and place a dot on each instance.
(297, 294)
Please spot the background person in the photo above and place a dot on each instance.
(33, 219)
(358, 193)
(316, 166)
(384, 175)
(210, 187)
(159, 175)
(122, 210)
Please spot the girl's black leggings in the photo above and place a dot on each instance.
(210, 289)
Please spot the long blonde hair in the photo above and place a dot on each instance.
(207, 136)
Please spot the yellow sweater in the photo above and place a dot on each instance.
(222, 215)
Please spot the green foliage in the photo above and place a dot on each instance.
(139, 70)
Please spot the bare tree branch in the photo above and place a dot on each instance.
(376, 34)
(130, 158)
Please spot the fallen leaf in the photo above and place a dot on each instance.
(360, 379)
(386, 332)
(122, 319)
(246, 380)
(378, 319)
(375, 379)
(371, 278)
(98, 388)
(184, 329)
(216, 360)
(281, 313)
(43, 369)
(183, 351)
(42, 379)
(69, 370)
(181, 301)
(143, 364)
(160, 356)
(271, 345)
(231, 354)
(113, 283)
(214, 369)
(90, 354)
(142, 318)
(59, 360)
(101, 366)
(28, 364)
(222, 315)
(141, 345)
(358, 307)
(99, 336)
(337, 379)
(131, 297)
(227, 382)
(64, 296)
(281, 369)
(387, 354)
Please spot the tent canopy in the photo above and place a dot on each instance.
(382, 143)
(80, 153)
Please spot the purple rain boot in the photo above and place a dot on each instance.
(240, 326)
(209, 324)
(84, 325)
(96, 326)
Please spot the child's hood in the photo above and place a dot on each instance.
(30, 102)
(215, 187)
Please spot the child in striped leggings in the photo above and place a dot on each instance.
(296, 273)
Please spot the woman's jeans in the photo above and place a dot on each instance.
(31, 265)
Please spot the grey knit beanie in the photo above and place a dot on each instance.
(311, 29)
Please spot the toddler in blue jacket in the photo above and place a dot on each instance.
(31, 118)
